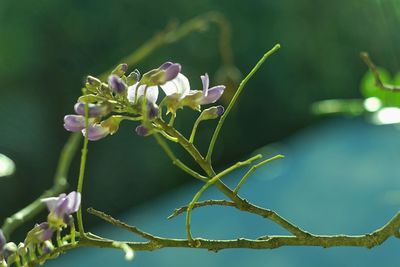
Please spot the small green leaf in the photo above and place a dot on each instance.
(7, 166)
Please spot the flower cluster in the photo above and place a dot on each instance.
(39, 238)
(134, 97)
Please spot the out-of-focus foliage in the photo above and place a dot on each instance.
(47, 47)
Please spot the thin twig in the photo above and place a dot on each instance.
(235, 98)
(210, 183)
(368, 240)
(378, 81)
(253, 169)
(183, 209)
(121, 224)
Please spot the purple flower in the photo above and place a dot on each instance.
(61, 207)
(210, 95)
(96, 132)
(94, 110)
(117, 85)
(74, 123)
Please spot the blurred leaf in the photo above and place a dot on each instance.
(369, 89)
(7, 166)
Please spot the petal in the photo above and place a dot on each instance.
(172, 72)
(96, 132)
(51, 203)
(206, 83)
(62, 207)
(152, 92)
(74, 123)
(213, 95)
(74, 201)
(180, 85)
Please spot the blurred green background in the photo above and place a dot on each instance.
(47, 47)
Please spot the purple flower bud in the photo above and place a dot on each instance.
(116, 84)
(46, 233)
(220, 110)
(171, 70)
(47, 247)
(142, 130)
(94, 110)
(74, 123)
(93, 81)
(153, 110)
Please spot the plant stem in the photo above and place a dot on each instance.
(252, 169)
(208, 184)
(235, 98)
(82, 171)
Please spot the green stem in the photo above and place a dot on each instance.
(82, 171)
(252, 169)
(210, 183)
(194, 130)
(176, 161)
(235, 98)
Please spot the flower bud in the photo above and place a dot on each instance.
(93, 81)
(95, 110)
(39, 233)
(152, 111)
(166, 72)
(133, 77)
(117, 85)
(120, 69)
(142, 130)
(211, 113)
(74, 123)
(9, 249)
(48, 247)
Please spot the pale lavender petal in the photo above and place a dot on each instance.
(180, 85)
(51, 203)
(62, 207)
(213, 95)
(74, 123)
(172, 71)
(74, 201)
(96, 132)
(206, 83)
(46, 233)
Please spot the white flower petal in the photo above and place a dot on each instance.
(180, 85)
(152, 92)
